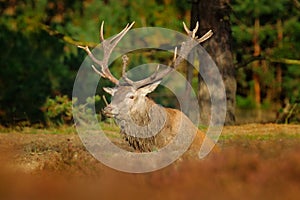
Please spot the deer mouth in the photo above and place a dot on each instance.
(110, 115)
(109, 112)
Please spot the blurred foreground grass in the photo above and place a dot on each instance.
(256, 161)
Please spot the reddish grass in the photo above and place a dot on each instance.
(246, 168)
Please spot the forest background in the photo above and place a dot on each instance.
(40, 60)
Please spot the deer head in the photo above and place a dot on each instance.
(129, 98)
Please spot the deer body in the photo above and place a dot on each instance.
(163, 137)
(138, 115)
(167, 133)
(145, 125)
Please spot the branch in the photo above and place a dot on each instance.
(290, 113)
(66, 38)
(297, 4)
(273, 60)
(248, 61)
(74, 42)
(284, 61)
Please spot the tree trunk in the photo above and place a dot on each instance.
(214, 15)
(189, 77)
(257, 63)
(278, 65)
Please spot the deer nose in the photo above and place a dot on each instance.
(110, 111)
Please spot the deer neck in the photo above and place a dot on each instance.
(145, 120)
(140, 113)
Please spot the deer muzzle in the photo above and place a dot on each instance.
(110, 111)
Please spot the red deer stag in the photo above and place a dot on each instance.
(145, 125)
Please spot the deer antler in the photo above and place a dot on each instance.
(184, 50)
(108, 46)
(124, 75)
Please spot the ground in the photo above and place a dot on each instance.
(256, 161)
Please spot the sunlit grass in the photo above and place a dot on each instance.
(107, 126)
(112, 131)
(65, 129)
(258, 136)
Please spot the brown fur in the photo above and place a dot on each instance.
(167, 133)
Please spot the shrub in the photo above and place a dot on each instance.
(245, 102)
(58, 111)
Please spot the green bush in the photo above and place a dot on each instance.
(245, 102)
(59, 110)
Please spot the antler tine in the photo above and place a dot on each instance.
(97, 71)
(156, 76)
(108, 46)
(184, 50)
(125, 62)
(205, 36)
(195, 30)
(175, 54)
(190, 33)
(120, 35)
(124, 75)
(153, 76)
(105, 71)
(87, 50)
(101, 32)
(187, 30)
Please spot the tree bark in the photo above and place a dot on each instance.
(256, 64)
(214, 15)
(278, 65)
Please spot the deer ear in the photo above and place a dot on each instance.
(110, 91)
(148, 88)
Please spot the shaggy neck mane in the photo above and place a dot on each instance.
(143, 126)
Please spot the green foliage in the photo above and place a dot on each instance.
(38, 65)
(245, 102)
(278, 37)
(30, 73)
(85, 113)
(37, 68)
(291, 84)
(59, 110)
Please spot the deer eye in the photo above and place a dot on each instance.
(131, 97)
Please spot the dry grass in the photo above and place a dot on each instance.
(256, 162)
